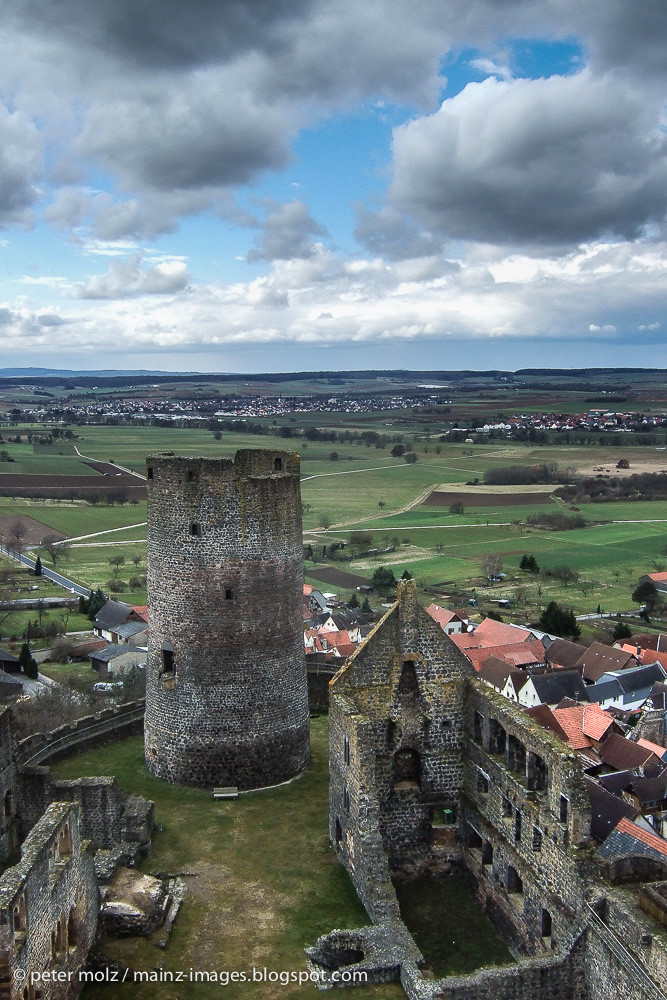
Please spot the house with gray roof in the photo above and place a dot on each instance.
(115, 660)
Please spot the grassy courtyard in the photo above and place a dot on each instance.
(264, 880)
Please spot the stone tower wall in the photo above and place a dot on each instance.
(226, 698)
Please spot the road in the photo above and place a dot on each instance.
(50, 574)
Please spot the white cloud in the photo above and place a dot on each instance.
(326, 301)
(126, 278)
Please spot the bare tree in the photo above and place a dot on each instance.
(17, 532)
(493, 565)
(55, 547)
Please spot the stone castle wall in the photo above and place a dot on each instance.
(48, 908)
(226, 696)
(519, 822)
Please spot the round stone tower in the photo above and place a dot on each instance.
(226, 689)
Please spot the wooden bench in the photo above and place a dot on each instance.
(225, 793)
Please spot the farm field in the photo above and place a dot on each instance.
(365, 489)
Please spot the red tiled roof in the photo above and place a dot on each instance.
(516, 654)
(493, 633)
(583, 724)
(653, 747)
(657, 577)
(464, 640)
(440, 615)
(650, 656)
(650, 839)
(307, 589)
(141, 610)
(545, 716)
(346, 648)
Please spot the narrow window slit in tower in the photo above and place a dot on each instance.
(149, 472)
(278, 464)
(167, 661)
(229, 594)
(195, 529)
(191, 475)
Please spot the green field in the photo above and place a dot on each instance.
(366, 489)
(265, 880)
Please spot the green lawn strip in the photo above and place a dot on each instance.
(64, 672)
(90, 566)
(17, 622)
(449, 927)
(75, 517)
(267, 884)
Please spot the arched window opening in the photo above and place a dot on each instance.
(514, 881)
(72, 930)
(407, 768)
(339, 831)
(546, 924)
(65, 842)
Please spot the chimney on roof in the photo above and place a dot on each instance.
(639, 650)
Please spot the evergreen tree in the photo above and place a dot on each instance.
(38, 566)
(366, 606)
(353, 601)
(383, 579)
(95, 602)
(559, 621)
(621, 631)
(28, 663)
(524, 562)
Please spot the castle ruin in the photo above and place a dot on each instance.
(431, 769)
(226, 689)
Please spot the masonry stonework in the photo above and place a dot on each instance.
(430, 770)
(226, 688)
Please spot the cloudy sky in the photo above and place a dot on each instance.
(250, 185)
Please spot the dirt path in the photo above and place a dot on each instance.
(107, 531)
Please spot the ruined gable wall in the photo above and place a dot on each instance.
(407, 680)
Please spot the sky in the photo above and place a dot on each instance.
(279, 185)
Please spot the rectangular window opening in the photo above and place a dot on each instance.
(278, 464)
(149, 472)
(195, 529)
(229, 594)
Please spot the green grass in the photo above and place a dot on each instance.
(74, 517)
(15, 624)
(266, 880)
(65, 672)
(445, 919)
